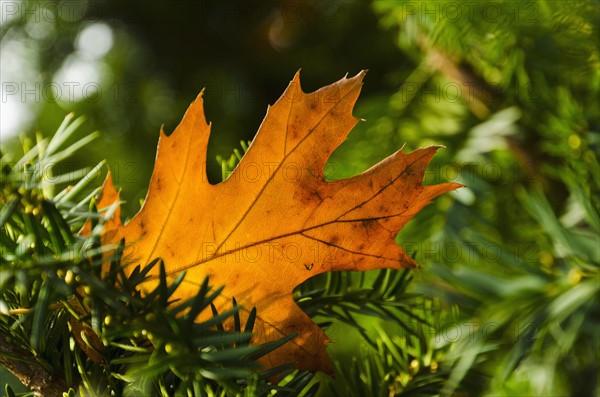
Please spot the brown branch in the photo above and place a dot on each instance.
(29, 371)
(482, 98)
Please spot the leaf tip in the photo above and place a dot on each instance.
(198, 104)
(456, 185)
(162, 133)
(108, 185)
(296, 78)
(359, 76)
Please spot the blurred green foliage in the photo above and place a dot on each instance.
(506, 302)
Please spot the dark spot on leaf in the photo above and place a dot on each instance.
(307, 195)
(368, 223)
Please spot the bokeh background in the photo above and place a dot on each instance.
(509, 87)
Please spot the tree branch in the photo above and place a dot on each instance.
(483, 98)
(29, 371)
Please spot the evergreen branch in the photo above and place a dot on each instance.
(553, 301)
(62, 313)
(380, 293)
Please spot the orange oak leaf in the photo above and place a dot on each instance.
(275, 222)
